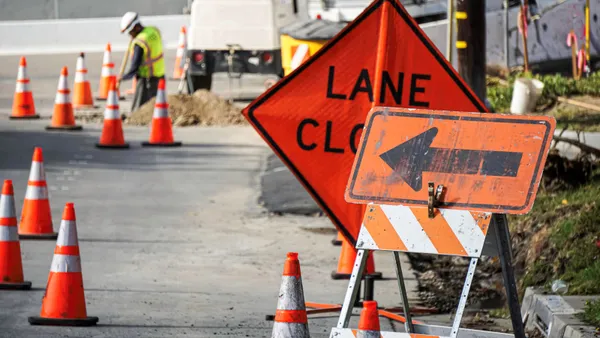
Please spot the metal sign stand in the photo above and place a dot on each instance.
(500, 224)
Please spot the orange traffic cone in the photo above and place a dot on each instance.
(291, 320)
(112, 131)
(11, 267)
(368, 324)
(62, 117)
(337, 241)
(107, 75)
(23, 105)
(180, 56)
(346, 263)
(161, 134)
(64, 301)
(82, 91)
(36, 217)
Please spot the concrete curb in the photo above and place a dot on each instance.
(555, 316)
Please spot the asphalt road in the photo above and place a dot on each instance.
(173, 242)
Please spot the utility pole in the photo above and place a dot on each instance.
(470, 44)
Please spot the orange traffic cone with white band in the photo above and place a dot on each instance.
(368, 324)
(23, 105)
(112, 131)
(108, 74)
(11, 267)
(291, 320)
(161, 134)
(64, 301)
(36, 217)
(82, 91)
(346, 263)
(180, 56)
(62, 117)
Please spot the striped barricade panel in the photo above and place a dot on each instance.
(409, 229)
(352, 333)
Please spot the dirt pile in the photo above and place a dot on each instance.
(202, 108)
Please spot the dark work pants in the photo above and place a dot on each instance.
(145, 90)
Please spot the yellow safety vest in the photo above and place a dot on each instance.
(150, 41)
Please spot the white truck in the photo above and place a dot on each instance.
(237, 37)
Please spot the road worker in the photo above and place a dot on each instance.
(147, 61)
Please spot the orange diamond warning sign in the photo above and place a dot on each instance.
(313, 118)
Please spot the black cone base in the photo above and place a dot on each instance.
(72, 128)
(15, 286)
(28, 117)
(336, 242)
(174, 144)
(52, 235)
(116, 146)
(89, 321)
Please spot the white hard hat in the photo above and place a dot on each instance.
(129, 20)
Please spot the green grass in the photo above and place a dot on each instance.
(571, 254)
(591, 313)
(554, 86)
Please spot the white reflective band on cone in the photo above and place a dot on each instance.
(106, 58)
(112, 99)
(9, 233)
(62, 98)
(106, 71)
(67, 235)
(180, 52)
(80, 64)
(7, 206)
(62, 83)
(22, 75)
(111, 114)
(65, 263)
(285, 330)
(36, 193)
(22, 87)
(79, 77)
(291, 295)
(37, 172)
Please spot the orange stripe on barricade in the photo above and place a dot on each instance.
(381, 230)
(291, 316)
(439, 232)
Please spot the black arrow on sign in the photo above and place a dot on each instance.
(415, 156)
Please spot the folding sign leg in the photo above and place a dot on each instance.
(408, 325)
(510, 283)
(352, 292)
(463, 297)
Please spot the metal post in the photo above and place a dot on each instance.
(450, 36)
(470, 44)
(408, 325)
(587, 33)
(359, 266)
(506, 32)
(462, 302)
(510, 283)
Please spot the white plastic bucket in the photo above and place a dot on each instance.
(525, 95)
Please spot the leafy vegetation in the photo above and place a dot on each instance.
(564, 240)
(499, 94)
(591, 313)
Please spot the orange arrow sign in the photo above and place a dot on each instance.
(486, 162)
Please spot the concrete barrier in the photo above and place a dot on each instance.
(79, 35)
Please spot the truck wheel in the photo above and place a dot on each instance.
(201, 82)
